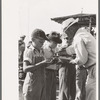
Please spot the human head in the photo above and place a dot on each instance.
(22, 37)
(70, 26)
(38, 33)
(38, 37)
(54, 38)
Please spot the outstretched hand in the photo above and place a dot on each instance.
(72, 62)
(54, 60)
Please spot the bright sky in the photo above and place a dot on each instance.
(37, 14)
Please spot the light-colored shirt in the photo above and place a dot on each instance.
(33, 56)
(85, 48)
(48, 54)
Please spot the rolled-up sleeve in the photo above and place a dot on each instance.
(81, 52)
(28, 54)
(70, 50)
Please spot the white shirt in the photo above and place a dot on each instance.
(32, 55)
(85, 48)
(48, 54)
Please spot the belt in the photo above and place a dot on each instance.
(91, 66)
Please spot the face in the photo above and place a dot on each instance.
(53, 44)
(39, 42)
(70, 32)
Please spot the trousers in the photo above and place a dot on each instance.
(34, 85)
(81, 76)
(67, 77)
(50, 84)
(91, 84)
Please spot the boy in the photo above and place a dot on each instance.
(34, 66)
(49, 51)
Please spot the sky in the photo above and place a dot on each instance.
(37, 13)
(22, 17)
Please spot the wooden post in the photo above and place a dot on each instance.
(90, 26)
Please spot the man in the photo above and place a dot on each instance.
(84, 45)
(21, 46)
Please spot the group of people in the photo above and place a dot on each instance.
(76, 63)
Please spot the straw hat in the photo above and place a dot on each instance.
(69, 22)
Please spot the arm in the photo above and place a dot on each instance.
(68, 53)
(63, 52)
(81, 53)
(65, 59)
(29, 59)
(29, 68)
(70, 50)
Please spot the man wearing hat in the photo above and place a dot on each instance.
(34, 66)
(84, 45)
(49, 52)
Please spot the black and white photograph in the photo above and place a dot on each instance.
(50, 49)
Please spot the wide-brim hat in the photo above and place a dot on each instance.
(38, 33)
(54, 36)
(69, 22)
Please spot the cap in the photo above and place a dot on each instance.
(69, 22)
(38, 33)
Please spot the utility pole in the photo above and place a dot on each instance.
(90, 21)
(81, 10)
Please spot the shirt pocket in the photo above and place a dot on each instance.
(38, 59)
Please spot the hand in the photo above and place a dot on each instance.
(61, 53)
(59, 62)
(48, 62)
(54, 60)
(72, 62)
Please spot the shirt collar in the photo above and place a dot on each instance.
(51, 49)
(32, 46)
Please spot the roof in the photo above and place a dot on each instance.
(83, 18)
